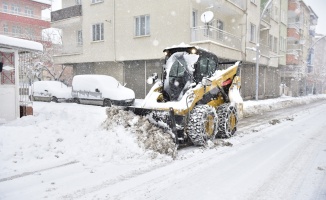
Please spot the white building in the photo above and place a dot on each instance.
(125, 39)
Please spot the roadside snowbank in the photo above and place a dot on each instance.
(261, 106)
(62, 133)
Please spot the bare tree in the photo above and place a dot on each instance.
(43, 67)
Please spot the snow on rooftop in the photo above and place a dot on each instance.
(17, 43)
(43, 1)
(181, 45)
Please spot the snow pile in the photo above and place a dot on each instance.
(149, 136)
(63, 133)
(258, 107)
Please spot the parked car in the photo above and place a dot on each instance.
(101, 90)
(50, 91)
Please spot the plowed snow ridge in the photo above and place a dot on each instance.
(149, 136)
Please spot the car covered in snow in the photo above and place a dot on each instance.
(50, 91)
(101, 90)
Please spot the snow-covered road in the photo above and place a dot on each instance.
(284, 161)
(275, 155)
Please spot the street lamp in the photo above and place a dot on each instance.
(257, 46)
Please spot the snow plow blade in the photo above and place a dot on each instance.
(159, 116)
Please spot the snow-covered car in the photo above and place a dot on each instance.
(50, 91)
(101, 90)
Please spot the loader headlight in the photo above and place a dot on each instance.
(193, 51)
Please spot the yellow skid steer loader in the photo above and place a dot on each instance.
(195, 98)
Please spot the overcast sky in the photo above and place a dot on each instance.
(56, 4)
(319, 7)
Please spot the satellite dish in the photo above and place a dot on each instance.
(207, 16)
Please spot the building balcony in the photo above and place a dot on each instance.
(292, 59)
(264, 49)
(67, 50)
(21, 14)
(293, 33)
(294, 47)
(312, 33)
(24, 36)
(240, 3)
(66, 13)
(220, 37)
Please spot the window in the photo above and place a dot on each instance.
(5, 28)
(16, 30)
(78, 2)
(29, 32)
(79, 37)
(97, 1)
(282, 43)
(220, 27)
(208, 30)
(275, 13)
(275, 45)
(270, 42)
(252, 33)
(29, 11)
(5, 7)
(207, 67)
(15, 9)
(194, 18)
(283, 16)
(142, 26)
(98, 32)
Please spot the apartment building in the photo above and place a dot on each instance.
(125, 39)
(316, 75)
(20, 19)
(271, 38)
(23, 18)
(301, 31)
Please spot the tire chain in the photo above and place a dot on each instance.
(196, 127)
(223, 113)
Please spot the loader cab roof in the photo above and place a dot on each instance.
(189, 49)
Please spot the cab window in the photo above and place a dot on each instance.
(207, 67)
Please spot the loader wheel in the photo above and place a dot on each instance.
(202, 124)
(227, 120)
(107, 103)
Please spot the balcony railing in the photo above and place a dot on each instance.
(296, 47)
(33, 16)
(204, 33)
(240, 3)
(66, 13)
(23, 36)
(264, 49)
(69, 50)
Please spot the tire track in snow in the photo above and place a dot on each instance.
(37, 171)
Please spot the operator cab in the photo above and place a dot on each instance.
(185, 66)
